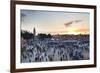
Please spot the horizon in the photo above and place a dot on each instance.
(55, 34)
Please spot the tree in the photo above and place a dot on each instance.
(26, 35)
(42, 36)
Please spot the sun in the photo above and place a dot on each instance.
(73, 31)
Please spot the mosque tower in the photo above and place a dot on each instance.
(34, 32)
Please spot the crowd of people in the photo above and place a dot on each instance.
(53, 50)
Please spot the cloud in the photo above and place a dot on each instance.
(23, 14)
(68, 23)
(77, 21)
(71, 22)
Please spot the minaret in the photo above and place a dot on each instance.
(34, 32)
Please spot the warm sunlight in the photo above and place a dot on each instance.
(72, 31)
(76, 31)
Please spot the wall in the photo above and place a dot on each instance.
(5, 36)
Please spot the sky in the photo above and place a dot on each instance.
(55, 22)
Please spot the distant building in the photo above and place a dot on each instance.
(34, 32)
